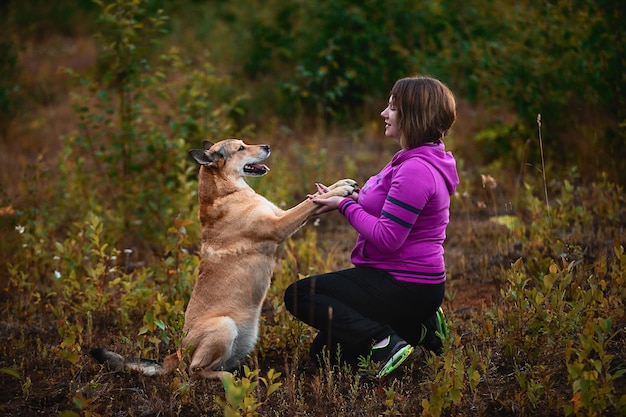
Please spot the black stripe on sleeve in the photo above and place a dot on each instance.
(404, 205)
(397, 220)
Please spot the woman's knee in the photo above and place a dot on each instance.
(297, 294)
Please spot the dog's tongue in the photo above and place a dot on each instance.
(260, 167)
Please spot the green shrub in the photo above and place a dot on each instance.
(121, 160)
(557, 302)
(240, 393)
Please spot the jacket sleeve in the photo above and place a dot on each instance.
(411, 186)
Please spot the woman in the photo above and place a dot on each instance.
(390, 301)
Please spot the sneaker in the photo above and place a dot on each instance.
(442, 325)
(433, 331)
(391, 354)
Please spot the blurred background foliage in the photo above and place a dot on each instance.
(100, 95)
(334, 61)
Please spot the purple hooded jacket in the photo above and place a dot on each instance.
(402, 214)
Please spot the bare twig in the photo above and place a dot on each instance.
(543, 168)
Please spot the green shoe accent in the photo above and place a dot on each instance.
(424, 331)
(379, 346)
(395, 361)
(442, 326)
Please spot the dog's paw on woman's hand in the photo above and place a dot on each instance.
(346, 181)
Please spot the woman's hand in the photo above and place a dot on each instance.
(327, 203)
(321, 189)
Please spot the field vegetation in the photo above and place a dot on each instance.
(101, 100)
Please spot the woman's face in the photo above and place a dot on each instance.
(391, 121)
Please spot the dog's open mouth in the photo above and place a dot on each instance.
(256, 169)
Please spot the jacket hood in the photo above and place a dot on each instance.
(435, 155)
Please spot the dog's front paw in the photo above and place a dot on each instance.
(345, 182)
(343, 190)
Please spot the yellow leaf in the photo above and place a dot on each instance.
(553, 268)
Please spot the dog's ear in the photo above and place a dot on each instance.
(206, 144)
(204, 158)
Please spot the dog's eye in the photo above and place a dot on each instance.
(241, 148)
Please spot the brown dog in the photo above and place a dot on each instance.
(240, 233)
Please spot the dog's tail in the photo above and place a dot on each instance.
(148, 367)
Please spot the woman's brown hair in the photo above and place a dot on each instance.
(426, 110)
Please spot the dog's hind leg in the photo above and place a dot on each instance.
(212, 341)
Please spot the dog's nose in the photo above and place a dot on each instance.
(266, 147)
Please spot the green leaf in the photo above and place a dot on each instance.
(59, 246)
(273, 388)
(10, 371)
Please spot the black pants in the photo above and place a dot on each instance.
(358, 306)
